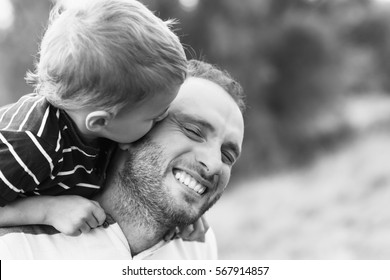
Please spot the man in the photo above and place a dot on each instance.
(167, 179)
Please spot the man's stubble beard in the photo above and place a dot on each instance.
(142, 196)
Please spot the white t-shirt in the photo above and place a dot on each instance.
(44, 242)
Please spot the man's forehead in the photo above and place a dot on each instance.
(193, 85)
(209, 104)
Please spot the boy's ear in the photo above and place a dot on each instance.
(97, 120)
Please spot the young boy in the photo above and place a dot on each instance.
(108, 70)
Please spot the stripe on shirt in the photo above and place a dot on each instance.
(15, 114)
(11, 107)
(74, 148)
(58, 141)
(59, 132)
(63, 186)
(5, 112)
(88, 185)
(18, 159)
(29, 113)
(12, 187)
(39, 134)
(64, 173)
(43, 152)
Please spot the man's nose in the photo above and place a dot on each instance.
(210, 159)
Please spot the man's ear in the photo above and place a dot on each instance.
(97, 120)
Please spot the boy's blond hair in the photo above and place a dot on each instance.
(106, 54)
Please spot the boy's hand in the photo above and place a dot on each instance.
(194, 232)
(73, 215)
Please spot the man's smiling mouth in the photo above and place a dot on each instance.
(189, 181)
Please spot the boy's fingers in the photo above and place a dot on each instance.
(199, 232)
(73, 233)
(99, 214)
(196, 231)
(92, 222)
(205, 224)
(170, 235)
(84, 228)
(186, 231)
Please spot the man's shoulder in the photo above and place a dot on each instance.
(44, 242)
(21, 242)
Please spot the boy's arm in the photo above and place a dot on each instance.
(69, 214)
(26, 161)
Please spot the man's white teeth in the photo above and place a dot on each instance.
(190, 182)
(197, 188)
(177, 175)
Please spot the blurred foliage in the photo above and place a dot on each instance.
(19, 45)
(298, 60)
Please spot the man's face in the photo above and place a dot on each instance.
(184, 163)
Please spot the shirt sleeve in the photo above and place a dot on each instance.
(25, 162)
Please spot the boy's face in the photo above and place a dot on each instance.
(129, 126)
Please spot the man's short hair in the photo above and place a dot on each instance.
(106, 54)
(200, 69)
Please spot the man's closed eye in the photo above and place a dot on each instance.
(193, 133)
(228, 158)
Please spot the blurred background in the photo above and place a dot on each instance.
(313, 181)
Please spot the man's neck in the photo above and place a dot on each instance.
(141, 231)
(140, 237)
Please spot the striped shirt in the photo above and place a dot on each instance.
(41, 153)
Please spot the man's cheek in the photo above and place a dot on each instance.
(224, 181)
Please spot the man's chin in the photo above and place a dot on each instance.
(186, 215)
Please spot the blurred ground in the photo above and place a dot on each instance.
(337, 208)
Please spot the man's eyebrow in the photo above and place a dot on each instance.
(194, 119)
